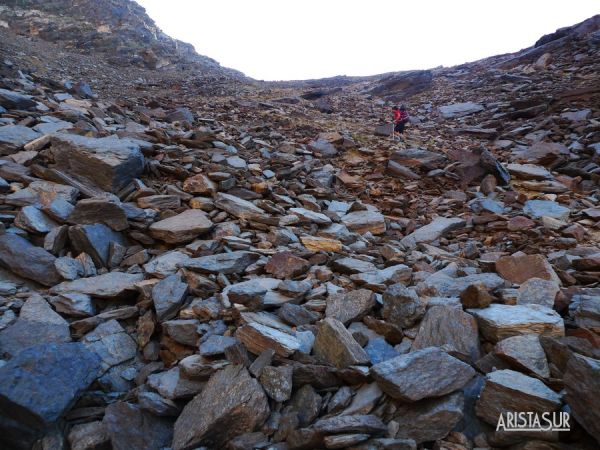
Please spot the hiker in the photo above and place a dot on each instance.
(400, 119)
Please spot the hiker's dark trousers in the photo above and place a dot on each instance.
(399, 127)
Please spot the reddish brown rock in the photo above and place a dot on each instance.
(286, 265)
(518, 269)
(519, 223)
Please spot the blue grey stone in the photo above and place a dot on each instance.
(41, 383)
(540, 208)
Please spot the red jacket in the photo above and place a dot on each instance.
(400, 116)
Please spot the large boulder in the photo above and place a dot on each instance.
(106, 163)
(41, 383)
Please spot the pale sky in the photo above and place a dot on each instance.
(302, 39)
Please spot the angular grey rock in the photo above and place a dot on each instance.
(352, 265)
(182, 228)
(537, 209)
(212, 419)
(105, 163)
(226, 263)
(378, 280)
(168, 296)
(131, 428)
(456, 110)
(14, 137)
(297, 315)
(507, 390)
(99, 210)
(365, 221)
(307, 215)
(238, 207)
(402, 306)
(448, 325)
(336, 345)
(110, 341)
(88, 436)
(37, 324)
(73, 304)
(184, 331)
(537, 291)
(322, 147)
(347, 307)
(497, 322)
(277, 382)
(529, 171)
(44, 381)
(109, 285)
(26, 260)
(217, 345)
(159, 202)
(358, 423)
(31, 219)
(16, 100)
(166, 264)
(257, 338)
(68, 268)
(431, 419)
(95, 240)
(173, 385)
(42, 193)
(582, 385)
(585, 310)
(524, 353)
(425, 373)
(417, 158)
(157, 405)
(433, 231)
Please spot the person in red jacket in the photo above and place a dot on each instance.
(400, 119)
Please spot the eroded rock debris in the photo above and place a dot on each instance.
(192, 259)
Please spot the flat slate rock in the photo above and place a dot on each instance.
(181, 228)
(226, 263)
(352, 265)
(430, 419)
(378, 280)
(131, 428)
(537, 209)
(27, 260)
(99, 210)
(362, 222)
(44, 381)
(15, 100)
(497, 322)
(507, 390)
(238, 207)
(425, 373)
(106, 163)
(433, 231)
(537, 291)
(257, 338)
(110, 341)
(14, 137)
(212, 419)
(108, 285)
(448, 325)
(456, 110)
(355, 423)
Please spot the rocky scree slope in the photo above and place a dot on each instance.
(271, 270)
